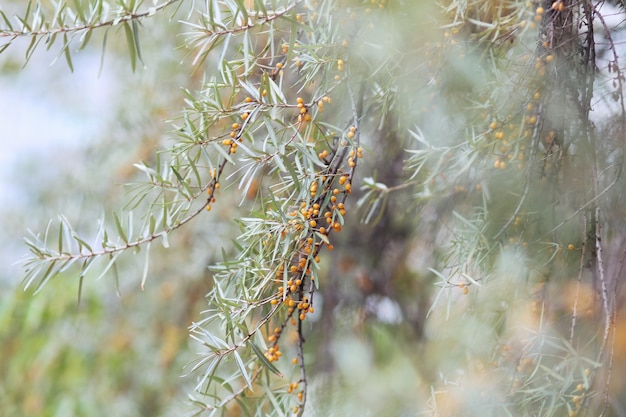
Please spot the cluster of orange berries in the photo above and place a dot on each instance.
(501, 131)
(340, 68)
(291, 388)
(558, 5)
(303, 111)
(278, 69)
(273, 353)
(235, 135)
(351, 157)
(304, 114)
(577, 398)
(320, 103)
(540, 64)
(315, 218)
(539, 13)
(317, 221)
(344, 179)
(497, 133)
(301, 267)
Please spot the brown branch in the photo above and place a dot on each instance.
(603, 285)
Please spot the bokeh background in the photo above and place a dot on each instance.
(69, 141)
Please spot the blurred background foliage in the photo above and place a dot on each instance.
(394, 335)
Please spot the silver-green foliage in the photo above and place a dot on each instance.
(291, 93)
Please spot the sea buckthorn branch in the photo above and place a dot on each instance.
(614, 67)
(84, 22)
(39, 27)
(171, 214)
(47, 263)
(308, 236)
(212, 29)
(303, 273)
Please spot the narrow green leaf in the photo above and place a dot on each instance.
(243, 370)
(50, 273)
(85, 39)
(34, 249)
(188, 192)
(130, 41)
(67, 264)
(81, 278)
(66, 52)
(87, 263)
(82, 243)
(241, 8)
(61, 228)
(225, 154)
(24, 23)
(120, 229)
(104, 46)
(194, 169)
(6, 20)
(146, 266)
(152, 226)
(259, 6)
(105, 239)
(210, 372)
(164, 241)
(31, 274)
(112, 259)
(31, 48)
(116, 279)
(135, 27)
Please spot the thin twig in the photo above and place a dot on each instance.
(578, 282)
(112, 22)
(603, 286)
